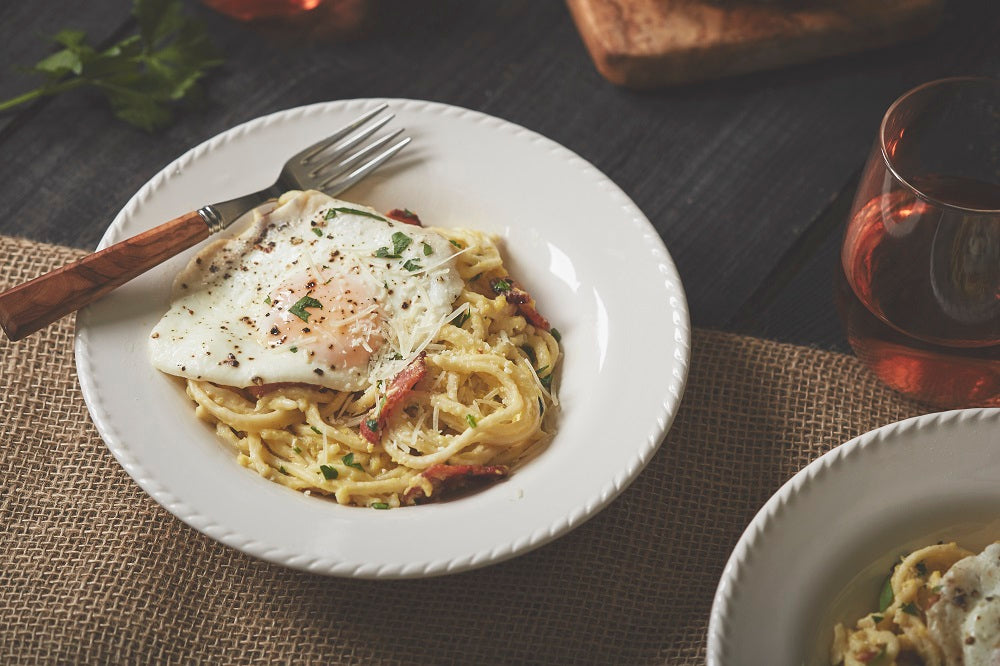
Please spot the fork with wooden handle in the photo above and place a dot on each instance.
(332, 165)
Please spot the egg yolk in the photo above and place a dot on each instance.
(332, 318)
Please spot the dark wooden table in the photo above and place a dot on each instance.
(748, 180)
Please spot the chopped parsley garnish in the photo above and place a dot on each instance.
(372, 424)
(293, 349)
(299, 309)
(911, 609)
(886, 596)
(315, 430)
(412, 265)
(281, 468)
(530, 353)
(297, 449)
(383, 253)
(554, 332)
(267, 300)
(317, 231)
(379, 505)
(395, 356)
(428, 250)
(349, 461)
(332, 213)
(456, 244)
(877, 618)
(471, 419)
(462, 318)
(329, 473)
(546, 381)
(500, 286)
(400, 242)
(921, 568)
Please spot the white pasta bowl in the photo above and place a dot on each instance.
(581, 247)
(819, 550)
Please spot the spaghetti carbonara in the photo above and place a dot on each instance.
(447, 401)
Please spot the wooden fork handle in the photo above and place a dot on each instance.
(36, 304)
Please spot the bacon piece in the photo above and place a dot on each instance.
(516, 295)
(405, 215)
(398, 389)
(447, 479)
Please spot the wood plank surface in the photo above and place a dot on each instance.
(649, 43)
(732, 173)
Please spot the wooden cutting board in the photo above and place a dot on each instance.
(650, 43)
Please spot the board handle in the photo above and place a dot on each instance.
(35, 304)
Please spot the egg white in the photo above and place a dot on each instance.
(219, 326)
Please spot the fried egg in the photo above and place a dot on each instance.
(318, 291)
(965, 622)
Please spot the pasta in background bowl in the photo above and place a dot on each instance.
(564, 230)
(819, 550)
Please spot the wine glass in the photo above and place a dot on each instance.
(918, 288)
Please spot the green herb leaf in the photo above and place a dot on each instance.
(428, 250)
(462, 318)
(352, 211)
(316, 430)
(317, 231)
(400, 242)
(471, 419)
(380, 505)
(349, 461)
(911, 609)
(281, 468)
(412, 265)
(886, 596)
(530, 353)
(546, 381)
(383, 253)
(329, 473)
(877, 618)
(554, 332)
(455, 243)
(299, 309)
(267, 300)
(500, 286)
(143, 76)
(297, 449)
(293, 349)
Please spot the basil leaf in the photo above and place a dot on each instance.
(400, 242)
(428, 250)
(329, 473)
(349, 461)
(317, 231)
(412, 265)
(299, 309)
(352, 211)
(886, 596)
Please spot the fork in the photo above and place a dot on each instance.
(328, 165)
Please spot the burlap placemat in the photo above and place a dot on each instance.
(95, 571)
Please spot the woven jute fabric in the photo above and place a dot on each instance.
(94, 571)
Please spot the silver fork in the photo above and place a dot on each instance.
(332, 165)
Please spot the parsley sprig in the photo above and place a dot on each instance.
(143, 76)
